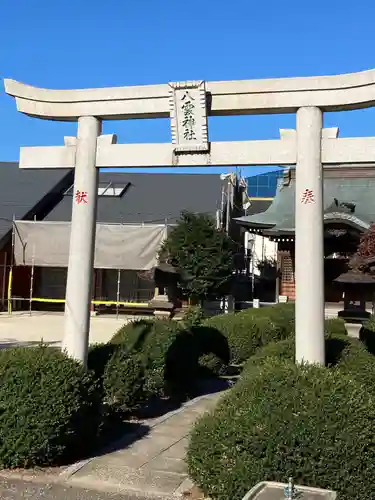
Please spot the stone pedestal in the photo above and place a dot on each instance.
(163, 307)
(268, 490)
(353, 329)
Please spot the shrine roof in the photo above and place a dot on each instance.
(356, 277)
(150, 198)
(347, 200)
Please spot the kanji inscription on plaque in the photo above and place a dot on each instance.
(188, 117)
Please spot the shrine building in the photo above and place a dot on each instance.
(349, 210)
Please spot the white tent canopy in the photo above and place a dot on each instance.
(118, 246)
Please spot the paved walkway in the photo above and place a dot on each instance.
(149, 465)
(15, 489)
(22, 329)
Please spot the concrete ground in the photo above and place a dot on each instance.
(15, 489)
(151, 461)
(148, 463)
(22, 329)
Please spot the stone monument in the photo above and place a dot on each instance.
(268, 490)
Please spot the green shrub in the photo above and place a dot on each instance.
(124, 380)
(282, 315)
(210, 365)
(213, 350)
(169, 351)
(367, 334)
(335, 326)
(193, 316)
(311, 423)
(98, 357)
(282, 350)
(246, 331)
(50, 409)
(347, 354)
(133, 332)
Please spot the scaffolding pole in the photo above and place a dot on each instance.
(4, 280)
(10, 280)
(32, 282)
(118, 292)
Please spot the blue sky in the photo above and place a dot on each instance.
(82, 43)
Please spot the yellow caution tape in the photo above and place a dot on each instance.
(95, 302)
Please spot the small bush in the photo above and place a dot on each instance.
(335, 326)
(284, 420)
(98, 357)
(124, 380)
(210, 365)
(193, 317)
(169, 351)
(49, 407)
(213, 350)
(367, 334)
(282, 315)
(133, 332)
(246, 331)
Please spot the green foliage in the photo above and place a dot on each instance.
(335, 326)
(281, 315)
(193, 316)
(213, 350)
(169, 353)
(50, 409)
(98, 357)
(343, 352)
(203, 254)
(367, 334)
(212, 365)
(315, 424)
(132, 333)
(253, 328)
(124, 380)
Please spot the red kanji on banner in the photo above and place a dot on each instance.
(307, 197)
(81, 197)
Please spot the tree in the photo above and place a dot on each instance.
(203, 254)
(364, 258)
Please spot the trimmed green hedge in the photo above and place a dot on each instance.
(124, 380)
(250, 329)
(347, 354)
(174, 355)
(245, 332)
(50, 409)
(335, 326)
(152, 339)
(315, 424)
(282, 315)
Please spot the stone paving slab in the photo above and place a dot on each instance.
(152, 465)
(22, 329)
(23, 490)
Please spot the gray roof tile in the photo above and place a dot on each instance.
(151, 197)
(24, 193)
(280, 214)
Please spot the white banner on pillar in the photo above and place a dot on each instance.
(188, 117)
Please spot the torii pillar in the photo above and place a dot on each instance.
(82, 241)
(309, 238)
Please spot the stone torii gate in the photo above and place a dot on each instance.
(188, 104)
